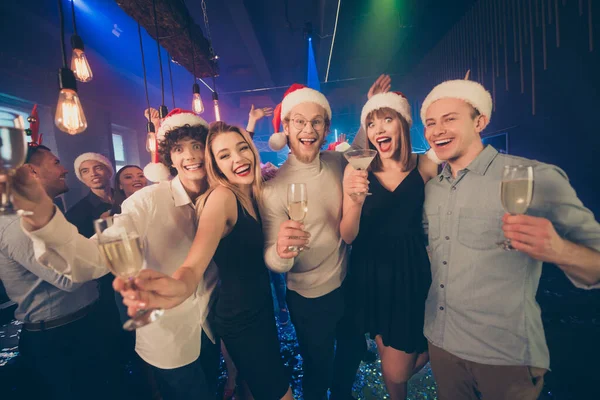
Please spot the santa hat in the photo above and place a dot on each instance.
(397, 102)
(296, 94)
(463, 89)
(176, 119)
(92, 157)
(156, 171)
(394, 100)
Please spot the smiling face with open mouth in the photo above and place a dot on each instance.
(384, 132)
(187, 156)
(452, 128)
(306, 127)
(234, 158)
(131, 179)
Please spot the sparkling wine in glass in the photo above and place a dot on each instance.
(13, 152)
(297, 207)
(360, 160)
(516, 192)
(122, 250)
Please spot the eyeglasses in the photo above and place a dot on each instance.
(317, 123)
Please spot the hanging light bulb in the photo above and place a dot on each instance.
(69, 115)
(151, 144)
(79, 63)
(197, 104)
(215, 97)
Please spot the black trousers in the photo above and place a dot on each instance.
(330, 349)
(73, 361)
(197, 380)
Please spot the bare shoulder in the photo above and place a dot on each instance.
(427, 167)
(221, 200)
(223, 195)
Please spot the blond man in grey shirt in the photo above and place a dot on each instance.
(486, 338)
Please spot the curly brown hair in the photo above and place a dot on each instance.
(198, 132)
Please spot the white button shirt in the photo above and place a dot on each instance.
(164, 216)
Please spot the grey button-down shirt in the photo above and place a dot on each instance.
(40, 293)
(481, 305)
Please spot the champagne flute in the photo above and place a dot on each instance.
(13, 152)
(297, 207)
(122, 250)
(360, 161)
(516, 192)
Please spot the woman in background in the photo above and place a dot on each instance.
(128, 180)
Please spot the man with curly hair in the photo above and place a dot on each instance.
(179, 347)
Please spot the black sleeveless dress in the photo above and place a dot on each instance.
(389, 270)
(243, 314)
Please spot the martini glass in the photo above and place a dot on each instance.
(360, 160)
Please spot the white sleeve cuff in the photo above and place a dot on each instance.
(276, 263)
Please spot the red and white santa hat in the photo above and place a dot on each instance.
(156, 171)
(463, 89)
(178, 118)
(397, 102)
(394, 100)
(92, 157)
(296, 94)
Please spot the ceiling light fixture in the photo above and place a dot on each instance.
(69, 116)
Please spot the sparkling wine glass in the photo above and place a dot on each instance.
(360, 160)
(122, 250)
(516, 192)
(13, 152)
(297, 201)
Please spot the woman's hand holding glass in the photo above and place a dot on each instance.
(356, 182)
(151, 290)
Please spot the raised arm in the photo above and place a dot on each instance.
(158, 290)
(218, 217)
(56, 243)
(255, 115)
(18, 247)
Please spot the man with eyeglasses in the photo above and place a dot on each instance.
(315, 274)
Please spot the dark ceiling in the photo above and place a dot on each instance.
(260, 43)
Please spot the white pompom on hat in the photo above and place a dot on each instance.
(92, 157)
(296, 94)
(156, 171)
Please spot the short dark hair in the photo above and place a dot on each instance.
(33, 150)
(475, 113)
(198, 132)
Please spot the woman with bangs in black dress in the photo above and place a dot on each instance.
(389, 273)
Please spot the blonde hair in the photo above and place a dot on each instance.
(405, 144)
(217, 178)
